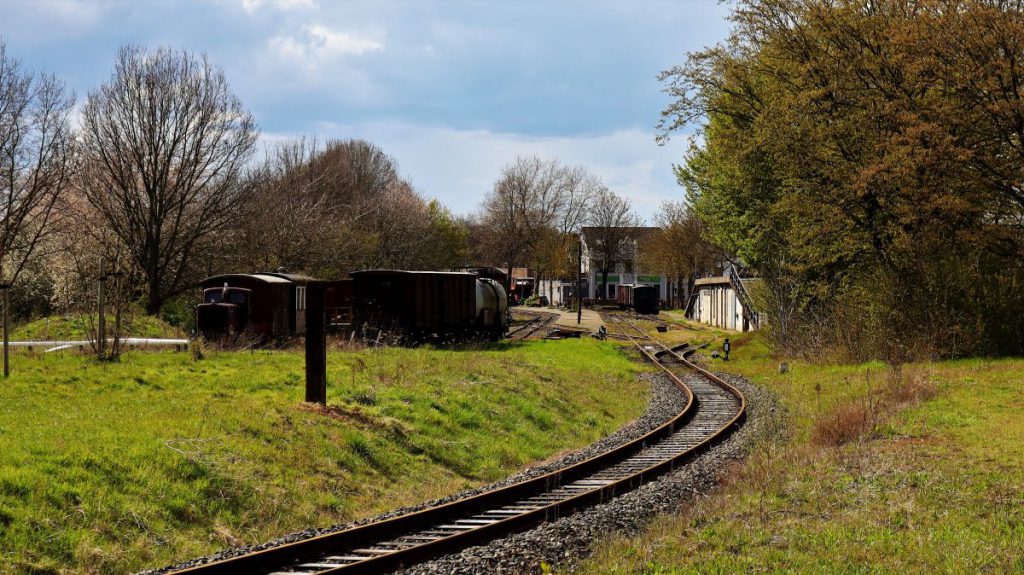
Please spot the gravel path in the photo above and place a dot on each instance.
(564, 542)
(666, 401)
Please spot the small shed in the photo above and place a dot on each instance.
(718, 303)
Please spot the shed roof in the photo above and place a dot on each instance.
(717, 280)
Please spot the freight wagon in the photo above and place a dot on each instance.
(425, 305)
(638, 297)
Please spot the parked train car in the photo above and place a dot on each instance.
(338, 304)
(264, 305)
(522, 289)
(638, 297)
(497, 274)
(424, 305)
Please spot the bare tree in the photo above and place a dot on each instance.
(36, 160)
(612, 227)
(532, 209)
(165, 142)
(291, 218)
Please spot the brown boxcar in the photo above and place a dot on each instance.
(414, 303)
(338, 303)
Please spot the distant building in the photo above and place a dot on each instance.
(625, 268)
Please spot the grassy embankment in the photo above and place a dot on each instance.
(76, 327)
(110, 468)
(932, 485)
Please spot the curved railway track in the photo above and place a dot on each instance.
(713, 410)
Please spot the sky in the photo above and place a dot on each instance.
(452, 90)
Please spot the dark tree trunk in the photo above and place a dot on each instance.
(154, 301)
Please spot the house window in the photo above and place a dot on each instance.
(300, 298)
(611, 291)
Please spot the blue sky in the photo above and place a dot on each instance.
(452, 90)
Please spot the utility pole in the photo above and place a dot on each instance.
(101, 330)
(579, 282)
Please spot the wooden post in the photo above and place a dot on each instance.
(7, 335)
(579, 283)
(101, 329)
(316, 344)
(117, 311)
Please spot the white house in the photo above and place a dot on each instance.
(624, 271)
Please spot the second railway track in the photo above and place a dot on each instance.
(713, 410)
(537, 322)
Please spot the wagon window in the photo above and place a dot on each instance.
(300, 298)
(213, 296)
(238, 297)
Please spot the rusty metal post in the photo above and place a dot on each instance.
(316, 344)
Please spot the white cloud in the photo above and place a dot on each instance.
(317, 45)
(330, 43)
(459, 166)
(251, 6)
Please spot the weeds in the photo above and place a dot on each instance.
(859, 419)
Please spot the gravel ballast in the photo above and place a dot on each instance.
(564, 542)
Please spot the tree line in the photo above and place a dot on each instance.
(162, 179)
(866, 158)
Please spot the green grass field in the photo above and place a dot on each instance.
(114, 467)
(935, 484)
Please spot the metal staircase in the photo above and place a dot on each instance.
(749, 314)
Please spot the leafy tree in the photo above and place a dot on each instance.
(851, 151)
(678, 250)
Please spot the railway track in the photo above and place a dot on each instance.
(713, 410)
(535, 324)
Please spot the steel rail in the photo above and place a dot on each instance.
(429, 533)
(539, 321)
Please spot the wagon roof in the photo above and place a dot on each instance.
(258, 277)
(410, 272)
(297, 278)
